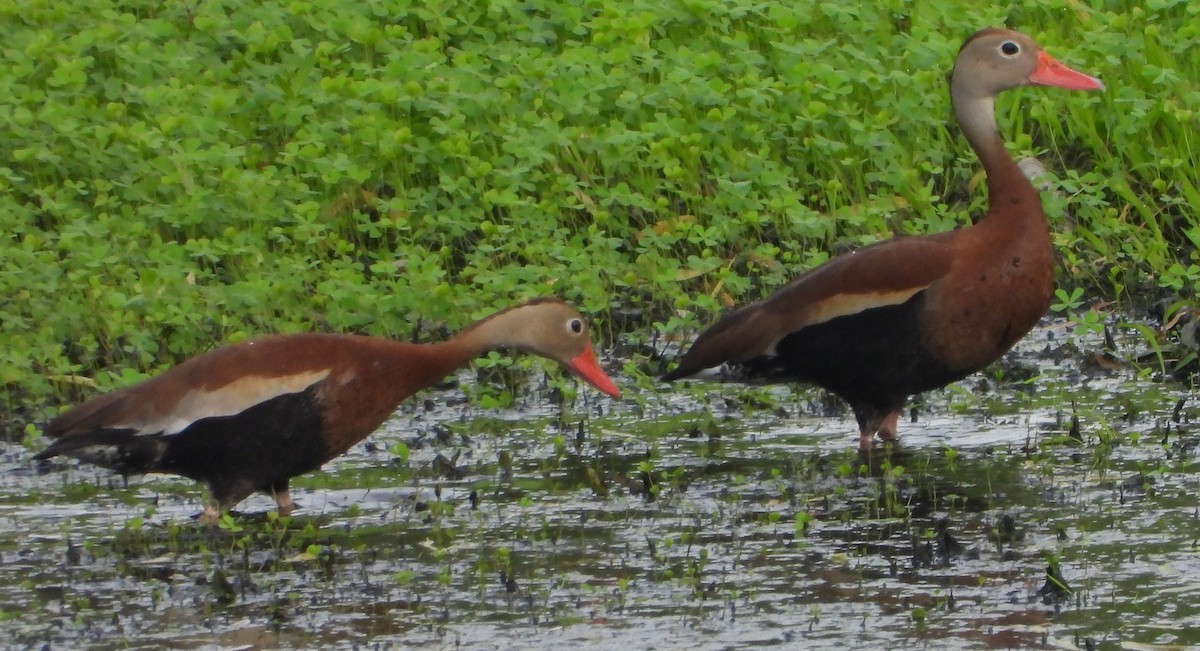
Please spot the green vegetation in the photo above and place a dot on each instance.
(176, 175)
(1036, 535)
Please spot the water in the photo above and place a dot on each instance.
(759, 530)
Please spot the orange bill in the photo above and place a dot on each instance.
(1050, 72)
(588, 368)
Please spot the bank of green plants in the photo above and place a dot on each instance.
(177, 175)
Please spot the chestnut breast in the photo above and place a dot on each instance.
(1000, 285)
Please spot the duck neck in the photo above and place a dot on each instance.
(500, 330)
(1005, 180)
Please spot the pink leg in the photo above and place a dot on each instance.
(284, 503)
(884, 427)
(211, 515)
(887, 428)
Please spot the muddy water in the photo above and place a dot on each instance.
(710, 517)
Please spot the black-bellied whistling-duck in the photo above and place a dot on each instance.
(913, 313)
(250, 416)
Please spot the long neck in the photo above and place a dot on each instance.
(504, 329)
(976, 115)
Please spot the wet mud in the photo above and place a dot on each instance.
(1048, 503)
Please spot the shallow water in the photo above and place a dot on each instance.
(762, 529)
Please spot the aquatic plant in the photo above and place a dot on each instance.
(178, 176)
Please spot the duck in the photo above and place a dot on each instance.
(249, 416)
(880, 324)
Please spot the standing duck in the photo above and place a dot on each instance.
(912, 314)
(250, 416)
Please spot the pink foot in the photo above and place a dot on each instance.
(887, 428)
(211, 515)
(284, 503)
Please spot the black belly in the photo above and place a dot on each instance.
(873, 358)
(257, 449)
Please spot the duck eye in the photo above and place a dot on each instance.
(1008, 48)
(575, 325)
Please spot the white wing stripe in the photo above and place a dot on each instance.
(233, 398)
(847, 304)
